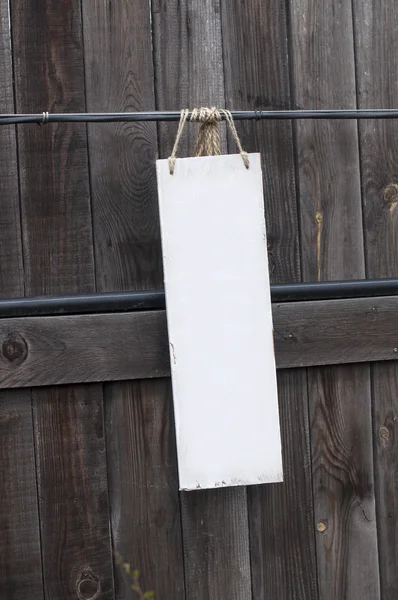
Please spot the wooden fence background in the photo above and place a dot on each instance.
(85, 465)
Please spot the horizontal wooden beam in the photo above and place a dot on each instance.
(37, 351)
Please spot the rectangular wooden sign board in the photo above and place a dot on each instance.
(219, 322)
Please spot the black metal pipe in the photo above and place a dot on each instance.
(238, 115)
(334, 290)
(155, 300)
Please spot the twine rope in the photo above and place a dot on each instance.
(208, 141)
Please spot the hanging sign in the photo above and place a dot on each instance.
(219, 321)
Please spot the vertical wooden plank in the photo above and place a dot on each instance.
(119, 71)
(324, 77)
(282, 544)
(11, 267)
(332, 241)
(20, 558)
(119, 76)
(257, 77)
(73, 494)
(376, 63)
(55, 203)
(385, 411)
(143, 485)
(58, 257)
(342, 461)
(188, 57)
(216, 544)
(189, 72)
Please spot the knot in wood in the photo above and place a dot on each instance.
(88, 585)
(15, 348)
(390, 194)
(384, 435)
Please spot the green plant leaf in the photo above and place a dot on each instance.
(136, 574)
(147, 595)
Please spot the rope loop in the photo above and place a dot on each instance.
(208, 141)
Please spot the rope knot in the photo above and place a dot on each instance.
(205, 115)
(208, 141)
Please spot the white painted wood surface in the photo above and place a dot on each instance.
(220, 322)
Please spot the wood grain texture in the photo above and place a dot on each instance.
(188, 58)
(342, 462)
(327, 151)
(84, 349)
(189, 71)
(20, 558)
(376, 63)
(335, 331)
(143, 485)
(257, 78)
(37, 351)
(56, 220)
(73, 493)
(255, 47)
(332, 248)
(278, 515)
(11, 265)
(119, 77)
(385, 411)
(58, 258)
(216, 535)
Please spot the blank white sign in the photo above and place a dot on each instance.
(219, 321)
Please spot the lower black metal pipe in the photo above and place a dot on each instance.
(155, 300)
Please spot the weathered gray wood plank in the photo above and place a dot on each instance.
(55, 202)
(376, 64)
(281, 516)
(189, 73)
(332, 248)
(385, 413)
(120, 77)
(255, 49)
(143, 485)
(188, 57)
(335, 331)
(216, 535)
(38, 351)
(342, 462)
(11, 267)
(20, 556)
(327, 151)
(58, 257)
(73, 492)
(90, 348)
